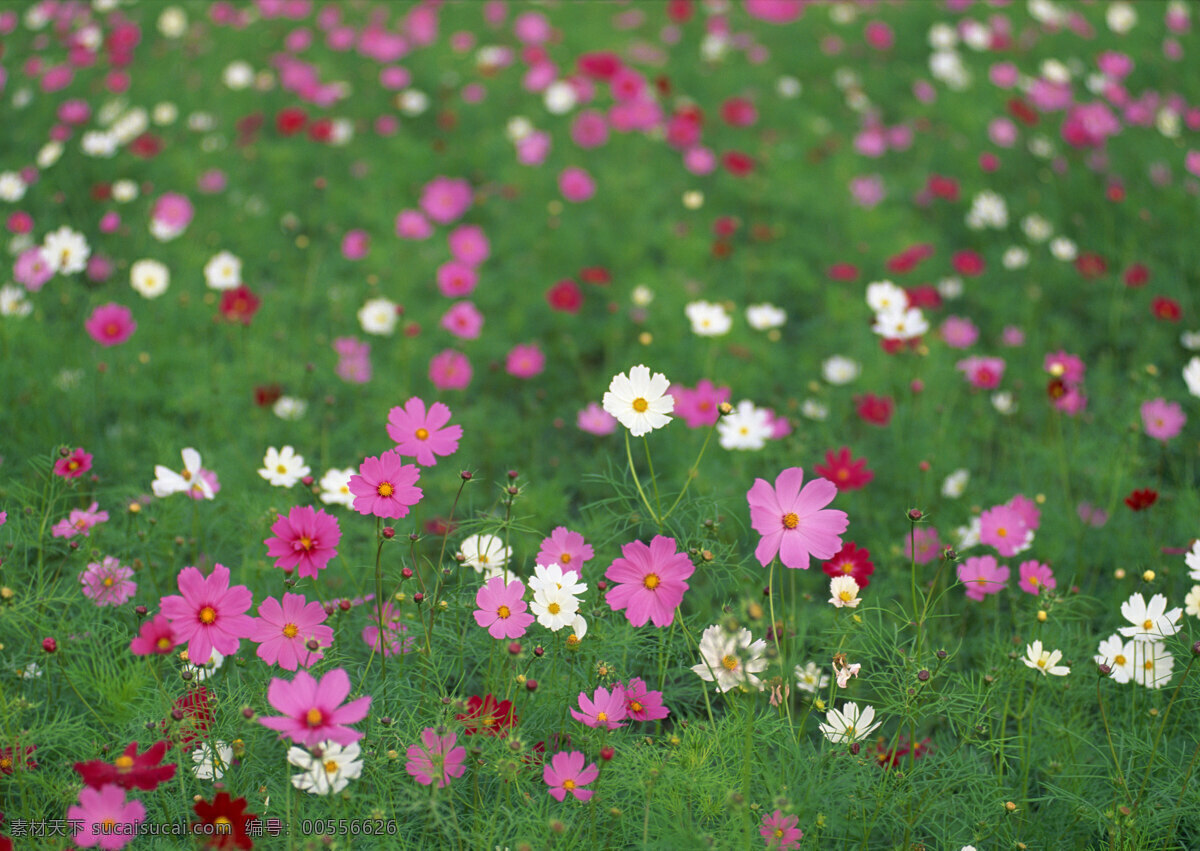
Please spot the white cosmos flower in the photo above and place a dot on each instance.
(814, 410)
(849, 724)
(950, 288)
(554, 608)
(988, 210)
(167, 482)
(1192, 560)
(1190, 340)
(1120, 17)
(328, 773)
(99, 143)
(1045, 661)
(1118, 655)
(1191, 603)
(551, 577)
(1191, 374)
(843, 592)
(1015, 257)
(747, 427)
(1036, 228)
(289, 408)
(486, 554)
(811, 678)
(1152, 664)
(639, 401)
(283, 467)
(1151, 621)
(335, 487)
(1002, 401)
(12, 187)
(124, 191)
(708, 319)
(200, 673)
(840, 369)
(211, 760)
(578, 629)
(884, 296)
(1063, 249)
(223, 271)
(13, 301)
(560, 97)
(901, 324)
(730, 659)
(66, 251)
(968, 536)
(378, 316)
(764, 317)
(150, 278)
(956, 483)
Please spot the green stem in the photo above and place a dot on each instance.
(1111, 748)
(637, 482)
(1158, 735)
(693, 472)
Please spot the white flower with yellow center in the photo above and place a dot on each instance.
(1118, 655)
(150, 278)
(12, 187)
(211, 760)
(327, 769)
(335, 487)
(554, 608)
(747, 427)
(551, 577)
(66, 251)
(901, 324)
(849, 724)
(13, 301)
(223, 271)
(1151, 621)
(843, 592)
(167, 482)
(956, 483)
(378, 316)
(639, 401)
(811, 678)
(764, 317)
(283, 467)
(1191, 603)
(708, 319)
(1152, 664)
(840, 369)
(731, 659)
(485, 554)
(1045, 661)
(1192, 560)
(200, 673)
(886, 297)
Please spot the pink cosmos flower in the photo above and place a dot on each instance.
(282, 632)
(445, 199)
(469, 244)
(74, 465)
(437, 757)
(423, 435)
(170, 216)
(313, 711)
(306, 538)
(642, 704)
(589, 129)
(501, 610)
(394, 632)
(794, 523)
(354, 360)
(780, 831)
(1003, 528)
(412, 224)
(450, 370)
(576, 185)
(463, 320)
(699, 407)
(926, 541)
(1028, 510)
(32, 269)
(384, 486)
(1065, 366)
(1161, 419)
(79, 522)
(565, 548)
(982, 576)
(595, 420)
(208, 614)
(108, 820)
(525, 361)
(565, 773)
(650, 581)
(456, 279)
(983, 373)
(155, 637)
(1035, 577)
(110, 324)
(356, 244)
(108, 583)
(605, 709)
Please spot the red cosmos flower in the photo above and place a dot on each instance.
(1139, 500)
(129, 770)
(224, 822)
(290, 120)
(146, 146)
(266, 395)
(486, 715)
(599, 65)
(197, 718)
(239, 304)
(1137, 275)
(1090, 265)
(876, 410)
(725, 226)
(968, 263)
(738, 112)
(322, 130)
(10, 757)
(248, 127)
(851, 561)
(565, 297)
(597, 275)
(679, 11)
(945, 188)
(845, 473)
(1166, 308)
(1023, 112)
(843, 272)
(909, 258)
(737, 163)
(891, 758)
(1115, 193)
(925, 295)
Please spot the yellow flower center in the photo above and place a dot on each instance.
(635, 706)
(850, 731)
(123, 763)
(554, 608)
(422, 434)
(568, 784)
(108, 826)
(331, 766)
(315, 717)
(164, 643)
(846, 596)
(306, 542)
(1149, 665)
(601, 716)
(186, 475)
(651, 581)
(790, 520)
(1120, 660)
(1148, 625)
(1033, 580)
(281, 468)
(108, 582)
(778, 832)
(385, 489)
(290, 630)
(73, 464)
(565, 558)
(1041, 663)
(208, 615)
(221, 821)
(504, 611)
(5, 763)
(847, 567)
(1002, 532)
(640, 405)
(729, 663)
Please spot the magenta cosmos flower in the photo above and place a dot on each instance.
(1005, 529)
(79, 522)
(110, 324)
(605, 709)
(106, 818)
(642, 704)
(450, 370)
(1162, 420)
(313, 711)
(423, 434)
(155, 638)
(794, 523)
(650, 581)
(780, 831)
(1035, 576)
(74, 465)
(437, 757)
(982, 576)
(108, 583)
(384, 486)
(207, 614)
(395, 632)
(307, 538)
(501, 610)
(525, 361)
(565, 548)
(282, 632)
(565, 773)
(444, 199)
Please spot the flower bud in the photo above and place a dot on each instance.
(1104, 669)
(313, 645)
(539, 651)
(855, 747)
(406, 573)
(418, 597)
(607, 753)
(915, 514)
(344, 605)
(515, 648)
(388, 532)
(465, 475)
(923, 675)
(531, 685)
(49, 645)
(176, 714)
(247, 712)
(140, 611)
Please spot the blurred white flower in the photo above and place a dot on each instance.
(335, 487)
(378, 316)
(289, 408)
(950, 288)
(849, 724)
(559, 97)
(1191, 374)
(788, 87)
(66, 251)
(1153, 664)
(327, 769)
(884, 296)
(13, 301)
(167, 482)
(1036, 228)
(731, 659)
(149, 278)
(172, 22)
(1045, 661)
(708, 319)
(12, 187)
(223, 271)
(988, 210)
(238, 75)
(200, 673)
(763, 317)
(956, 483)
(283, 467)
(811, 678)
(1120, 17)
(814, 410)
(1015, 257)
(1063, 249)
(746, 427)
(1002, 401)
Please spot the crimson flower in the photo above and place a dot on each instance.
(846, 473)
(876, 410)
(565, 297)
(130, 770)
(11, 756)
(239, 304)
(195, 717)
(486, 715)
(1139, 500)
(224, 822)
(851, 561)
(891, 757)
(1166, 308)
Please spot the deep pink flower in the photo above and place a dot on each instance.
(469, 244)
(282, 632)
(576, 185)
(156, 637)
(1035, 577)
(983, 373)
(384, 486)
(794, 523)
(1065, 366)
(445, 199)
(412, 224)
(74, 465)
(456, 279)
(525, 361)
(394, 632)
(699, 407)
(845, 471)
(959, 332)
(306, 538)
(501, 610)
(1161, 419)
(32, 269)
(110, 324)
(208, 614)
(565, 548)
(313, 711)
(463, 320)
(108, 583)
(565, 773)
(605, 709)
(780, 831)
(651, 581)
(1003, 528)
(170, 215)
(108, 820)
(926, 540)
(642, 704)
(423, 435)
(876, 410)
(982, 576)
(437, 757)
(450, 370)
(1028, 510)
(79, 522)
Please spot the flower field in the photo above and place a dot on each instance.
(650, 425)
